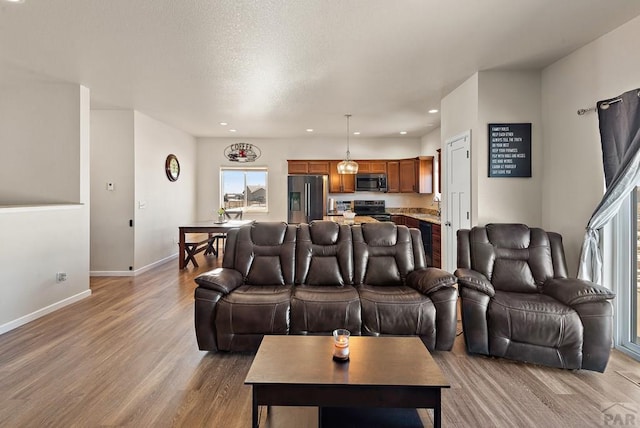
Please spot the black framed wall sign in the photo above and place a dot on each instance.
(509, 149)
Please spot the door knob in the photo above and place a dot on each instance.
(448, 224)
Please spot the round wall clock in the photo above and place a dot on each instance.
(172, 167)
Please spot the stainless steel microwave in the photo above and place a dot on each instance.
(371, 182)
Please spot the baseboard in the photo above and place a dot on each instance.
(155, 264)
(42, 312)
(111, 273)
(133, 272)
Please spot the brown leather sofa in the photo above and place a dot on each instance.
(518, 303)
(280, 278)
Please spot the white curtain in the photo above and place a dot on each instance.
(620, 134)
(590, 267)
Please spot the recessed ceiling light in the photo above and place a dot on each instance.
(309, 129)
(14, 1)
(232, 130)
(223, 123)
(356, 133)
(433, 110)
(403, 132)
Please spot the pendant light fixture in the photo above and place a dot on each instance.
(348, 166)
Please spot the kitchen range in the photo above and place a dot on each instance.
(374, 209)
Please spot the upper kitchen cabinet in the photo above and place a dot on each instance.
(408, 176)
(393, 176)
(308, 167)
(411, 175)
(340, 183)
(425, 174)
(372, 166)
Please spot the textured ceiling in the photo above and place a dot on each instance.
(274, 68)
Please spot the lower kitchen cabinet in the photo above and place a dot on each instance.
(436, 245)
(431, 237)
(398, 219)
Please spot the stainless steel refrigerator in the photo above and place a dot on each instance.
(307, 198)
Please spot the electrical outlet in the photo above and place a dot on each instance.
(61, 276)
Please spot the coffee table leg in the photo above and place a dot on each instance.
(437, 416)
(254, 409)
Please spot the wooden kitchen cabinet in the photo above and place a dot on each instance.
(308, 167)
(298, 167)
(403, 176)
(411, 222)
(340, 183)
(393, 176)
(372, 167)
(398, 219)
(436, 244)
(425, 174)
(408, 175)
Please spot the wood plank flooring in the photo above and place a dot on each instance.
(127, 357)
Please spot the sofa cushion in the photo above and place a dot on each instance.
(322, 309)
(383, 254)
(397, 310)
(534, 327)
(254, 309)
(324, 254)
(265, 252)
(514, 257)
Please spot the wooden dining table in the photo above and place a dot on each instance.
(208, 227)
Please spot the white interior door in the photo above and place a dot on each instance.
(458, 194)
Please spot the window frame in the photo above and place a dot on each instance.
(624, 276)
(246, 208)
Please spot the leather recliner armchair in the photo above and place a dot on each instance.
(518, 303)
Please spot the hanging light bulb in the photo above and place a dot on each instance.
(348, 166)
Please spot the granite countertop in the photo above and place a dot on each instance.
(431, 218)
(359, 219)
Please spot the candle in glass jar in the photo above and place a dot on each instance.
(341, 344)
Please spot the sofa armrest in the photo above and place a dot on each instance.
(475, 280)
(573, 291)
(223, 280)
(430, 280)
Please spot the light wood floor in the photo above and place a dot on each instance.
(127, 356)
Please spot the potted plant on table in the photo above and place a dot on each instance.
(221, 215)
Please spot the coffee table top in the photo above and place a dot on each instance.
(307, 360)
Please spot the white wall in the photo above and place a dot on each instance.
(161, 206)
(573, 179)
(458, 114)
(508, 97)
(40, 137)
(498, 97)
(38, 241)
(112, 149)
(275, 153)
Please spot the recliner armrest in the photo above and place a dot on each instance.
(573, 291)
(430, 280)
(224, 280)
(475, 280)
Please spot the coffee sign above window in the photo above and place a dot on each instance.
(242, 152)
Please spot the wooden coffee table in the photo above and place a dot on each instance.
(393, 372)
